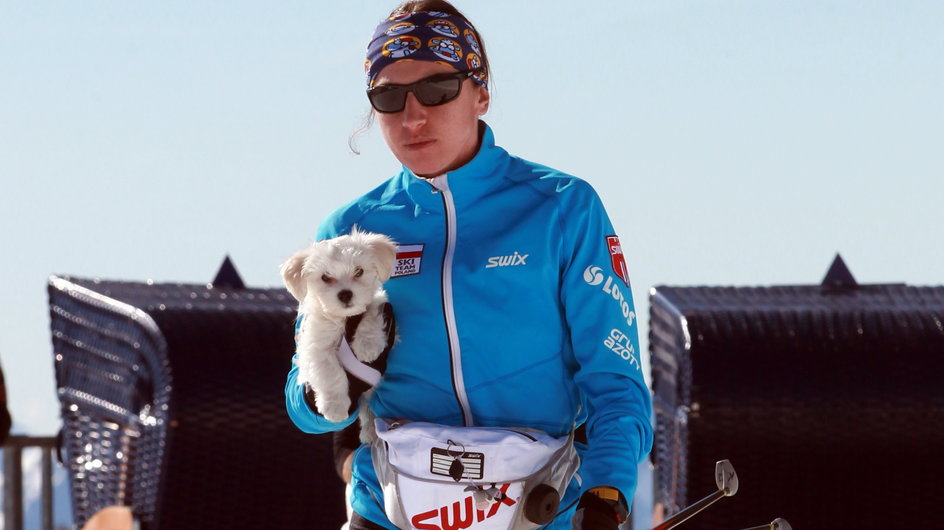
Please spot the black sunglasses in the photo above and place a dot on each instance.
(430, 91)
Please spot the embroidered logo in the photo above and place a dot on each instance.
(620, 344)
(617, 258)
(507, 261)
(409, 259)
(593, 277)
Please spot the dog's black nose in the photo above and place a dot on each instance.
(345, 296)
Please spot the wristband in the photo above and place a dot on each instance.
(614, 498)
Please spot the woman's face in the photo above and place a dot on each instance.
(432, 140)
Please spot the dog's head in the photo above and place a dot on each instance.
(343, 273)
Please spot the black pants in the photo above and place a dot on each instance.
(360, 523)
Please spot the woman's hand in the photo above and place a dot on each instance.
(601, 508)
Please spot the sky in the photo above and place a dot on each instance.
(735, 142)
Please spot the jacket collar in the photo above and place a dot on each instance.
(476, 178)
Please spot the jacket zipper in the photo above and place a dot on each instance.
(449, 313)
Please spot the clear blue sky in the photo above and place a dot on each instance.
(733, 142)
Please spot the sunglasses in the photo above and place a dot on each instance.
(430, 91)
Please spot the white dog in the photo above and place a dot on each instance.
(335, 279)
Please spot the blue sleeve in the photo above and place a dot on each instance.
(327, 230)
(338, 222)
(601, 317)
(301, 413)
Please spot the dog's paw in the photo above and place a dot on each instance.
(370, 340)
(334, 409)
(367, 349)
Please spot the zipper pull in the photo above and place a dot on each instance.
(456, 470)
(482, 499)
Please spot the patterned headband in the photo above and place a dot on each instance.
(425, 36)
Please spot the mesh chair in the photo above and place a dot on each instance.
(826, 399)
(172, 403)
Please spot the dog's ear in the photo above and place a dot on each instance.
(292, 274)
(384, 251)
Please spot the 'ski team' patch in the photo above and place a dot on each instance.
(409, 259)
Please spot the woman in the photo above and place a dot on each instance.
(511, 293)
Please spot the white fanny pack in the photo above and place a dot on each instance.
(436, 477)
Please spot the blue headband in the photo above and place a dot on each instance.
(425, 36)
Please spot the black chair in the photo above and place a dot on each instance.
(827, 399)
(172, 403)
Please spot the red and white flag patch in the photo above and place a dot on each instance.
(409, 259)
(617, 258)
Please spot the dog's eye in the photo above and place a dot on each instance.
(358, 272)
(327, 279)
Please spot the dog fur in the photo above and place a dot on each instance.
(333, 280)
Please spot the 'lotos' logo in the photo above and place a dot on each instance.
(592, 275)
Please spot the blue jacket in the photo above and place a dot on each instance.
(513, 308)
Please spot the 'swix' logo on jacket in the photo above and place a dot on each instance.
(507, 261)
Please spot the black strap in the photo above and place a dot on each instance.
(355, 386)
